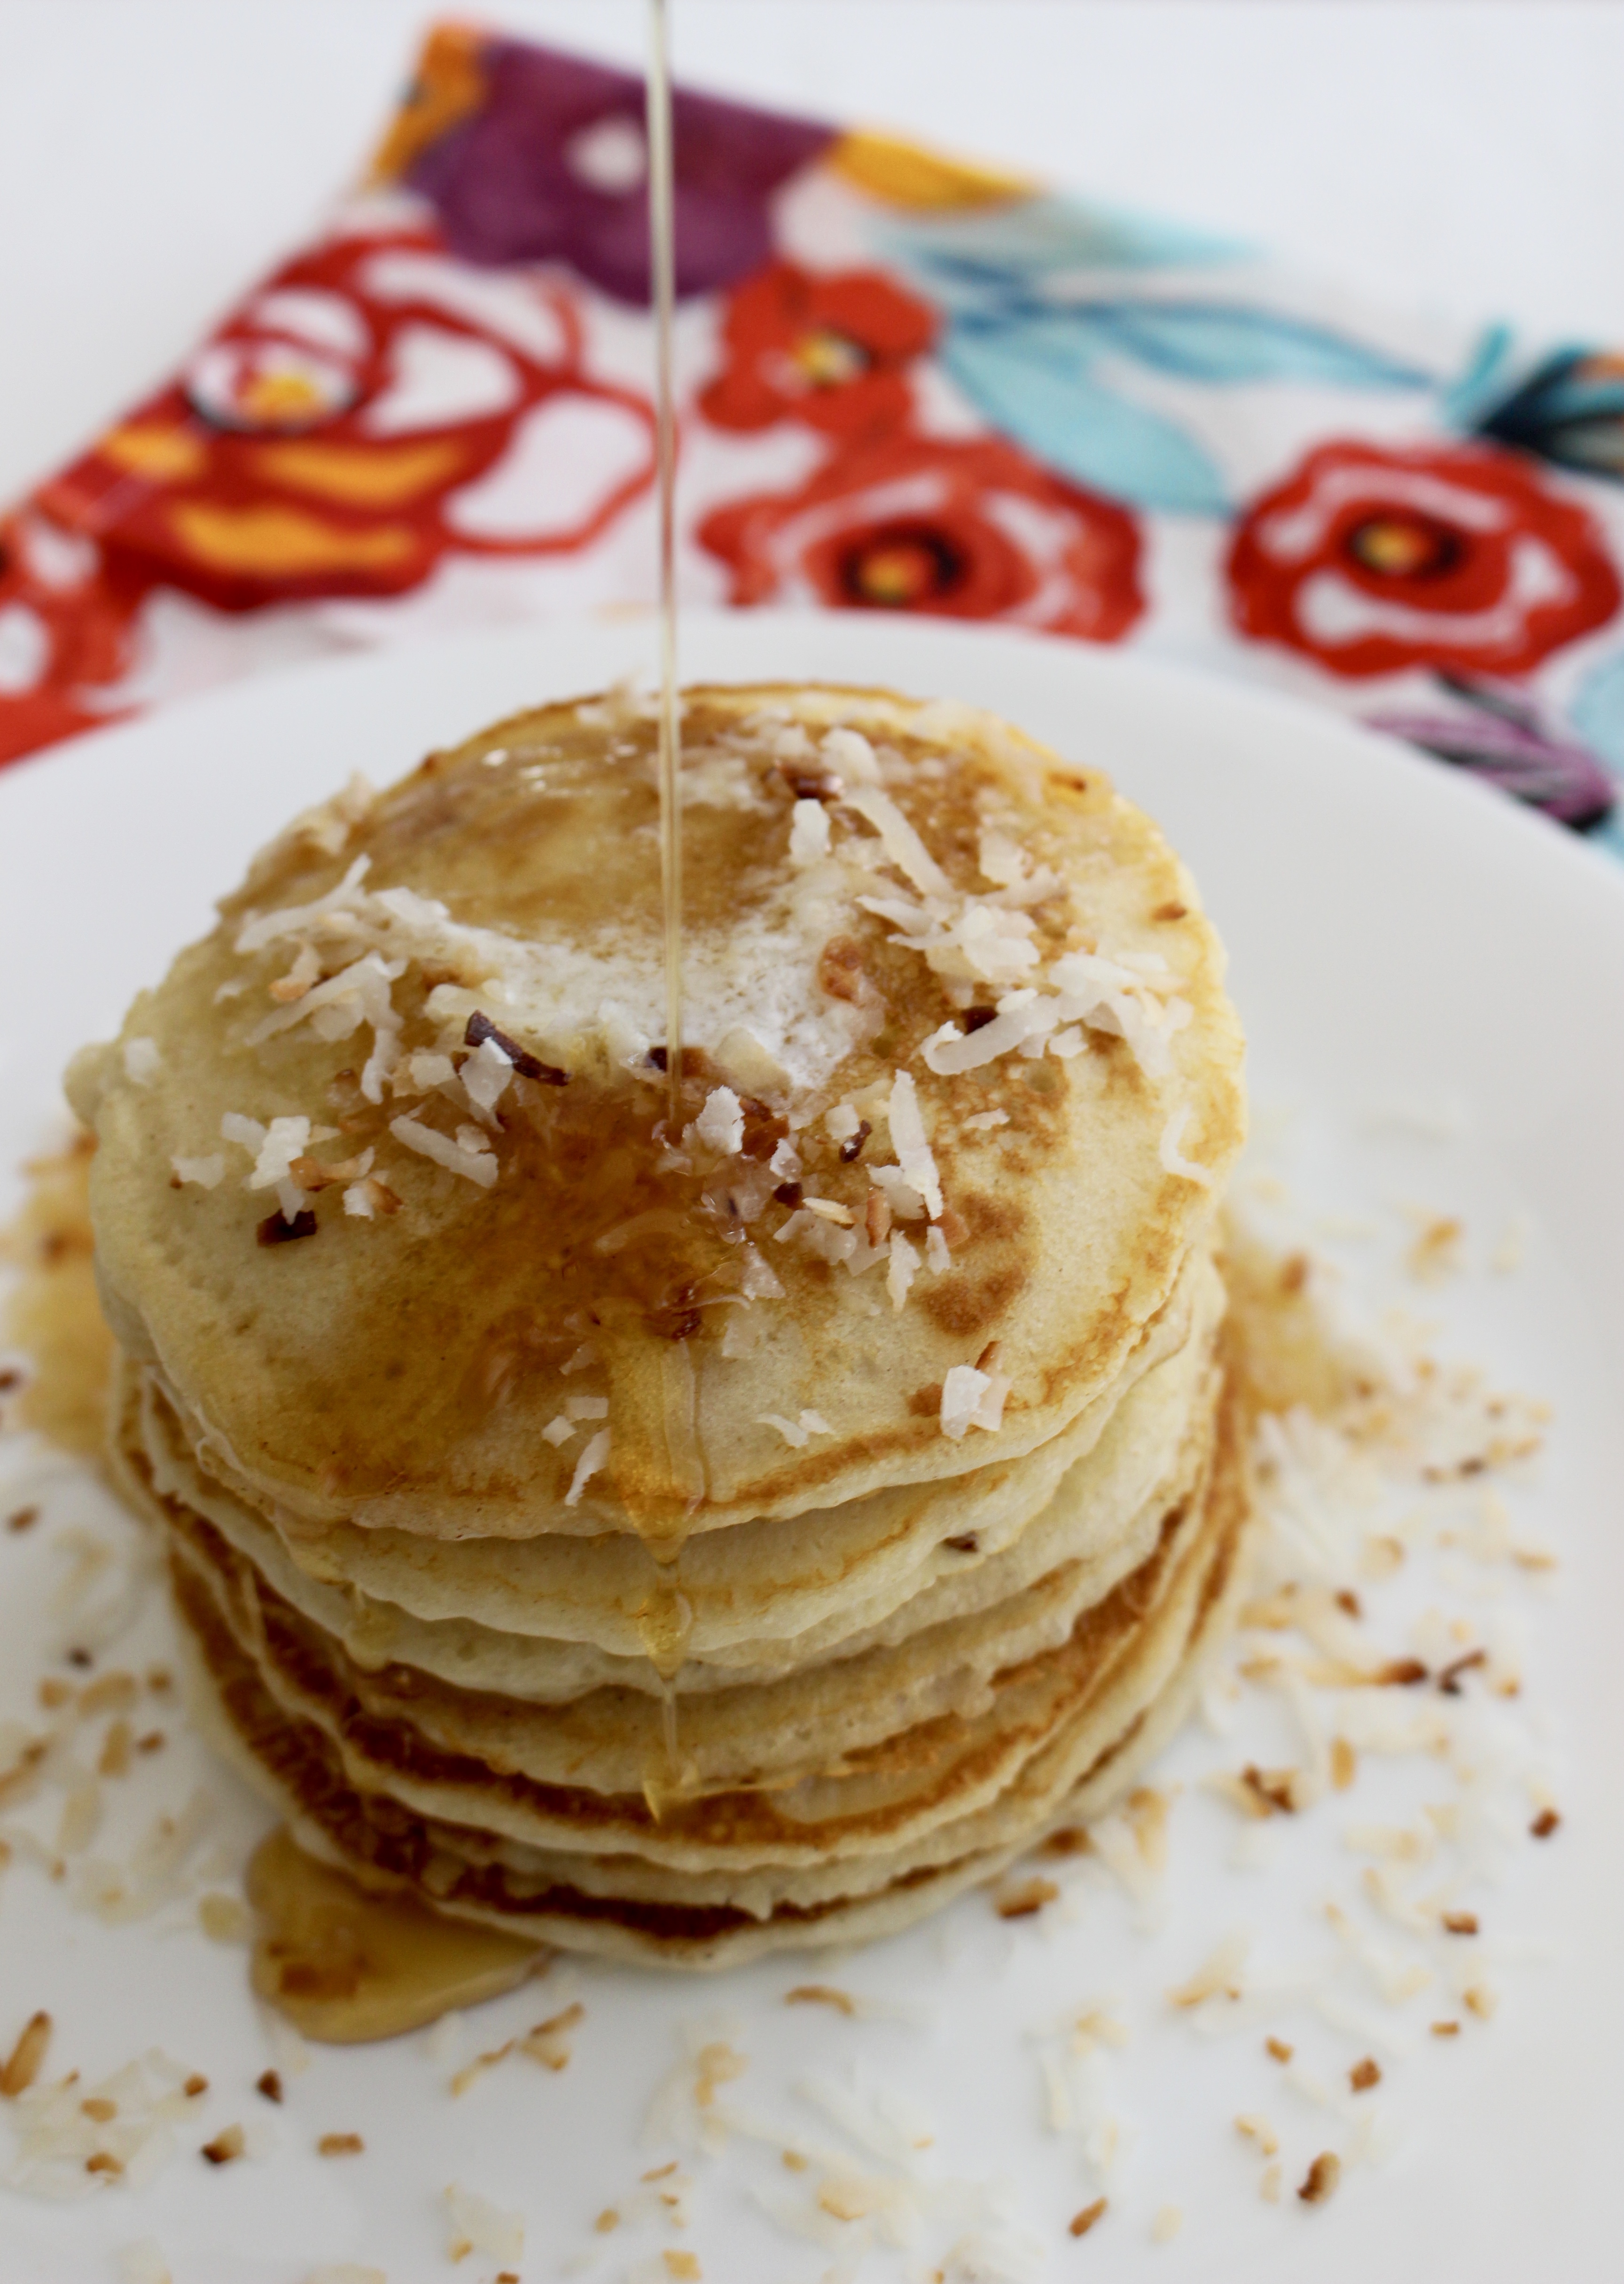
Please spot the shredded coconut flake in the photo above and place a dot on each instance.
(902, 1270)
(207, 1173)
(851, 752)
(972, 1399)
(901, 843)
(809, 833)
(474, 1167)
(756, 1281)
(478, 2225)
(587, 1465)
(300, 919)
(720, 1125)
(913, 1155)
(1174, 1162)
(286, 1139)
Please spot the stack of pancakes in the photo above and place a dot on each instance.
(682, 1516)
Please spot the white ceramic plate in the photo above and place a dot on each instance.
(1434, 981)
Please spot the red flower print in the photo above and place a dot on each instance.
(328, 438)
(967, 529)
(830, 351)
(1455, 558)
(65, 630)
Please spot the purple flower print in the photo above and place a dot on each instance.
(552, 167)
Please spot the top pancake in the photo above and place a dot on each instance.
(400, 1369)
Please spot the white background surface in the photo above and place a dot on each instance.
(155, 155)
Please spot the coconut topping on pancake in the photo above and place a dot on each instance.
(926, 983)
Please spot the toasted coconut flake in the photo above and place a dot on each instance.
(903, 1267)
(1219, 1975)
(1089, 2218)
(23, 2064)
(820, 1994)
(281, 1227)
(1436, 1253)
(1322, 2178)
(339, 2145)
(305, 971)
(369, 1197)
(227, 2146)
(481, 1031)
(1022, 1899)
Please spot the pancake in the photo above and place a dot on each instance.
(1125, 1679)
(684, 1513)
(519, 895)
(549, 1619)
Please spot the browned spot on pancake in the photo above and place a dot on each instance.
(925, 1403)
(966, 1305)
(986, 1216)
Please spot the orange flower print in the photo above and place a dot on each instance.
(964, 530)
(1455, 556)
(832, 351)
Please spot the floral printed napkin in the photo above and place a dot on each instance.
(908, 384)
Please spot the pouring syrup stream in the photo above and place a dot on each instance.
(664, 279)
